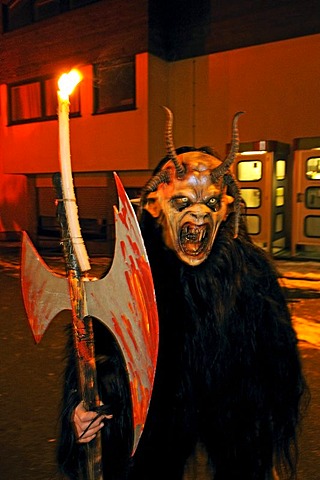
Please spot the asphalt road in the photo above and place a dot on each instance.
(31, 378)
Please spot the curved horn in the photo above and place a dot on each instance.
(227, 162)
(171, 151)
(151, 186)
(231, 181)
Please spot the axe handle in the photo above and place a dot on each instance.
(82, 335)
(84, 346)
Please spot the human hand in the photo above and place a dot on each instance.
(87, 423)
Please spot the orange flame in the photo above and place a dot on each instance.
(67, 82)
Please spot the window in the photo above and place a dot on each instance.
(36, 101)
(249, 170)
(24, 102)
(279, 222)
(16, 14)
(280, 169)
(312, 197)
(313, 168)
(251, 197)
(114, 86)
(253, 224)
(45, 9)
(279, 196)
(312, 226)
(19, 13)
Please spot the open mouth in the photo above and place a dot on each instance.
(193, 238)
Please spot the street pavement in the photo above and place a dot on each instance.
(31, 375)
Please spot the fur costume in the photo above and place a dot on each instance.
(229, 386)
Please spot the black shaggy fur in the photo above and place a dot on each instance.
(228, 378)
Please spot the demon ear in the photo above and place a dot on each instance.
(229, 199)
(152, 205)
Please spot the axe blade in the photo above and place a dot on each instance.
(124, 300)
(45, 294)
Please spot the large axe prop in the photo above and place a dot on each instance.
(123, 300)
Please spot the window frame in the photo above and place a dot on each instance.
(43, 101)
(113, 66)
(316, 177)
(245, 162)
(29, 12)
(258, 189)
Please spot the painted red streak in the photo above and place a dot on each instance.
(139, 399)
(140, 394)
(141, 403)
(151, 316)
(118, 330)
(134, 247)
(45, 294)
(128, 326)
(38, 323)
(137, 287)
(123, 247)
(123, 215)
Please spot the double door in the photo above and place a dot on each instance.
(261, 172)
(306, 201)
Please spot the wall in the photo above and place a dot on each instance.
(99, 31)
(99, 143)
(117, 141)
(158, 96)
(276, 84)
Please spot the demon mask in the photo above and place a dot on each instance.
(190, 195)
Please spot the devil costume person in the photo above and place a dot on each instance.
(229, 386)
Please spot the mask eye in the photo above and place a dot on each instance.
(214, 204)
(180, 203)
